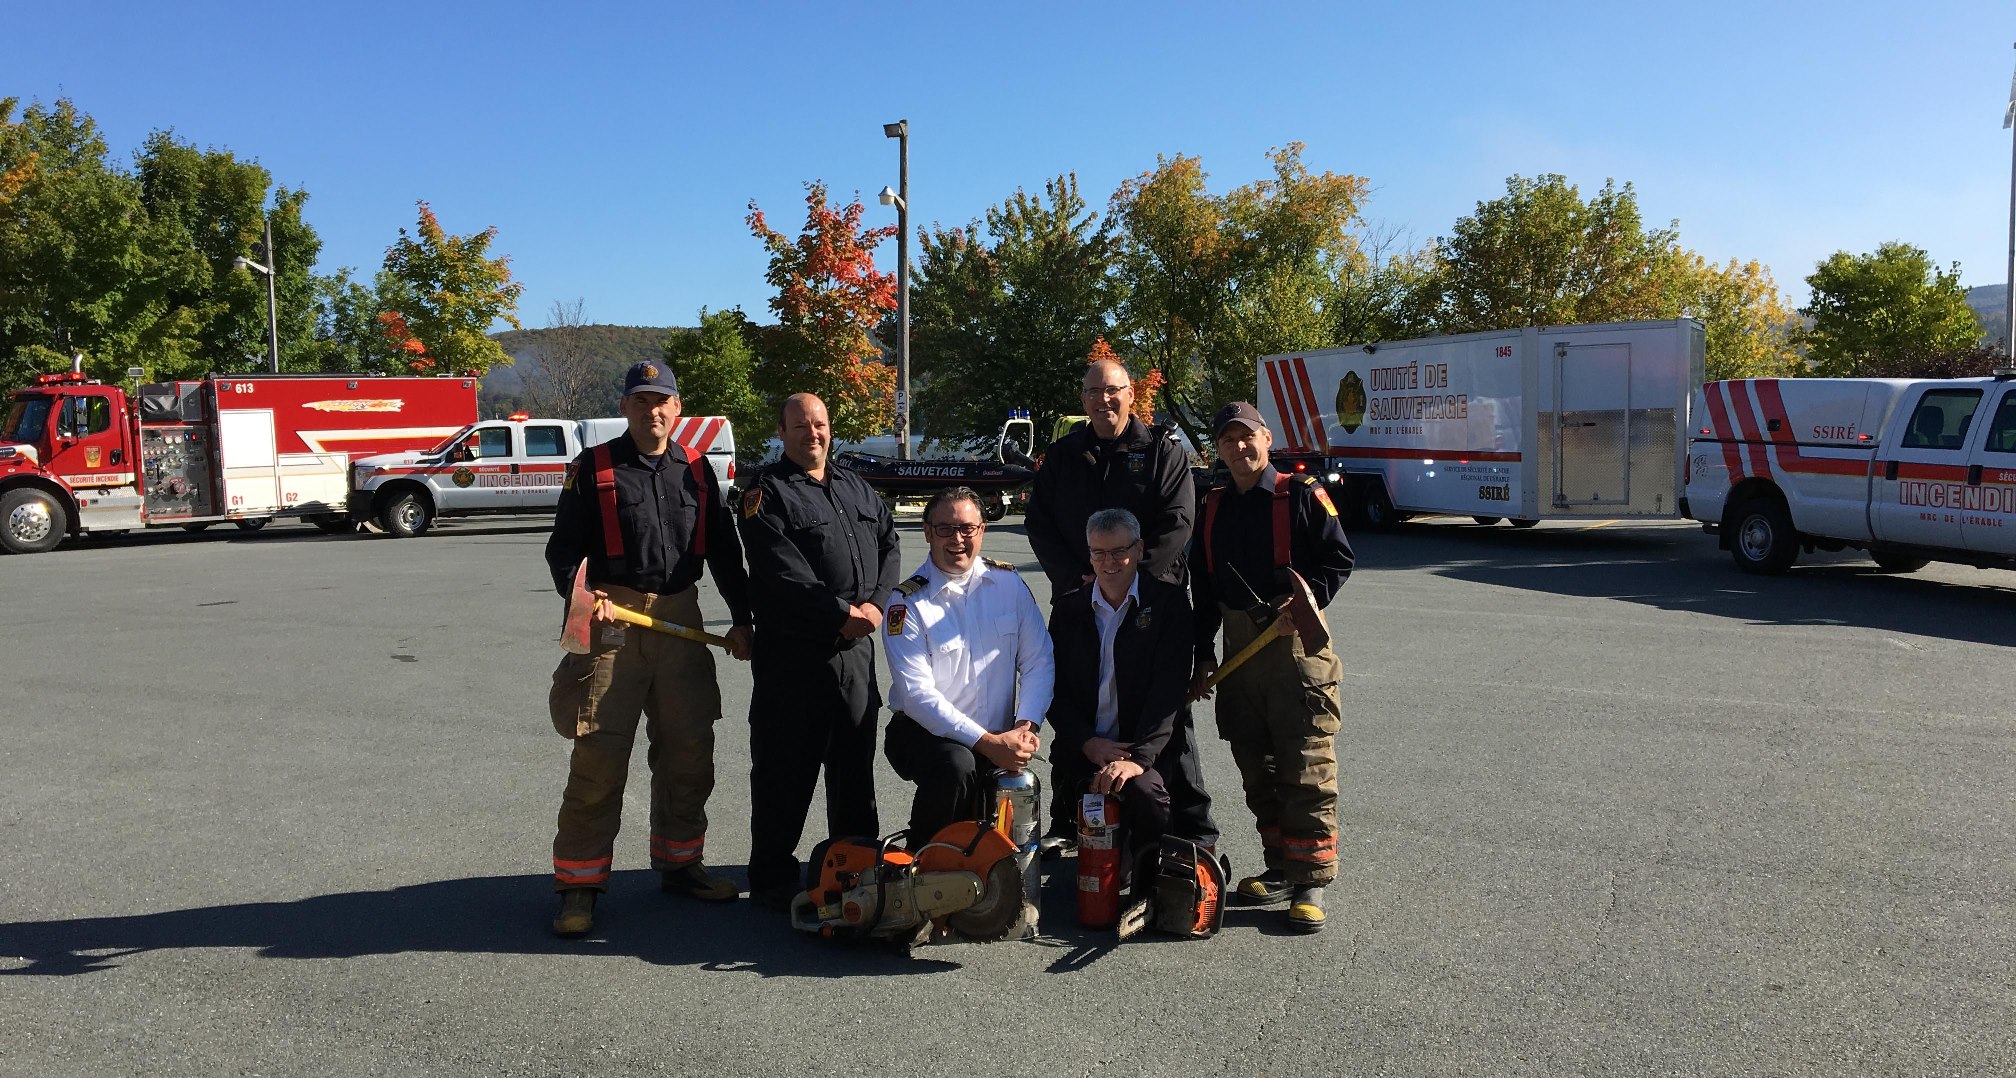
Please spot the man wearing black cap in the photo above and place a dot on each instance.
(1280, 711)
(646, 515)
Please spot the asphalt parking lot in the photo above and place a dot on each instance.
(280, 804)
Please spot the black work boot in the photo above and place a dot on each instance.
(1305, 908)
(1265, 889)
(1061, 839)
(695, 880)
(577, 913)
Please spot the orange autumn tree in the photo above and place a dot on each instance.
(1145, 387)
(442, 294)
(829, 299)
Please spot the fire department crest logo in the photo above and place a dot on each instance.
(463, 477)
(1351, 402)
(752, 502)
(91, 455)
(893, 623)
(650, 371)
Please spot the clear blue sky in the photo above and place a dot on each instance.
(616, 146)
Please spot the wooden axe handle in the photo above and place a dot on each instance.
(1275, 630)
(622, 613)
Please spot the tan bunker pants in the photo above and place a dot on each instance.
(1280, 712)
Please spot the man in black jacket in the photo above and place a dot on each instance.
(1120, 708)
(1114, 461)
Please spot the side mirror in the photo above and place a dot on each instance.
(472, 449)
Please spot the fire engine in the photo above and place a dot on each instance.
(80, 457)
(1547, 422)
(1911, 471)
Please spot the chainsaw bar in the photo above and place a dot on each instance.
(1134, 918)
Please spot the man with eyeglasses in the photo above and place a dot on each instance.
(969, 668)
(1121, 709)
(822, 561)
(1114, 461)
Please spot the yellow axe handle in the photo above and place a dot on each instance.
(623, 613)
(1275, 630)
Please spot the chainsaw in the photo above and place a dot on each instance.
(972, 878)
(1179, 888)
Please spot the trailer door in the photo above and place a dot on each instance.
(1592, 428)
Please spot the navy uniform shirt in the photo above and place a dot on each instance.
(815, 549)
(657, 505)
(1144, 471)
(1242, 547)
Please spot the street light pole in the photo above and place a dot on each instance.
(272, 301)
(2009, 289)
(900, 131)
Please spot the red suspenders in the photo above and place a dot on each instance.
(1280, 504)
(604, 467)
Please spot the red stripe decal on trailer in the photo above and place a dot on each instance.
(1297, 423)
(1319, 427)
(1280, 399)
(1459, 456)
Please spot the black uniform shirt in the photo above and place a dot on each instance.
(1242, 545)
(1143, 471)
(657, 505)
(815, 549)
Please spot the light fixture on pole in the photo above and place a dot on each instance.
(900, 198)
(272, 298)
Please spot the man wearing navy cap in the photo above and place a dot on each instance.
(646, 515)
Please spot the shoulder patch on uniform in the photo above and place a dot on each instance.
(910, 586)
(1323, 499)
(893, 620)
(992, 564)
(567, 483)
(752, 502)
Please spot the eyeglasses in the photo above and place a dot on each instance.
(1117, 553)
(1104, 391)
(963, 531)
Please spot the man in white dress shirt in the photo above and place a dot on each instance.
(969, 668)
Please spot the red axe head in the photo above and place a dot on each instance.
(1301, 611)
(577, 632)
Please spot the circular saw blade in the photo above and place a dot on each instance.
(1000, 905)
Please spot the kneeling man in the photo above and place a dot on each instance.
(1121, 709)
(969, 669)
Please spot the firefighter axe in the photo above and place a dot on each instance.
(577, 633)
(1297, 615)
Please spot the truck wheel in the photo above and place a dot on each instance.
(406, 515)
(254, 524)
(1487, 521)
(993, 511)
(31, 521)
(198, 527)
(1762, 539)
(1374, 507)
(1898, 563)
(1521, 522)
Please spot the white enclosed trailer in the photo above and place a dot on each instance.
(1543, 423)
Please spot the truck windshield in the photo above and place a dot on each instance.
(450, 442)
(26, 420)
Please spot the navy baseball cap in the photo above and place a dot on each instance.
(649, 377)
(1236, 412)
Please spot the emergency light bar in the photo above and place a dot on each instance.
(76, 377)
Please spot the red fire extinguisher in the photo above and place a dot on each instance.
(1098, 861)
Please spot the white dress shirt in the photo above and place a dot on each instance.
(957, 647)
(1106, 720)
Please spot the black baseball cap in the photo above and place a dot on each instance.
(649, 377)
(1236, 412)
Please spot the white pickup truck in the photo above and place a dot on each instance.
(1911, 471)
(501, 466)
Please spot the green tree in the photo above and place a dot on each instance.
(1007, 320)
(1542, 255)
(829, 299)
(1211, 283)
(1385, 295)
(442, 293)
(1752, 331)
(1872, 310)
(714, 364)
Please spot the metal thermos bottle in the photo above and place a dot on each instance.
(1023, 794)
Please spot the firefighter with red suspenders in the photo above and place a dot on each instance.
(646, 515)
(1280, 711)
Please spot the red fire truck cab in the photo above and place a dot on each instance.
(79, 457)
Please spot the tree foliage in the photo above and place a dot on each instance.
(1752, 331)
(441, 294)
(1005, 318)
(714, 365)
(1213, 282)
(1872, 311)
(829, 299)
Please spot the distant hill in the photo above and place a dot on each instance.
(1990, 302)
(612, 348)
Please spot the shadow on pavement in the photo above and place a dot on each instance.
(479, 915)
(1681, 569)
